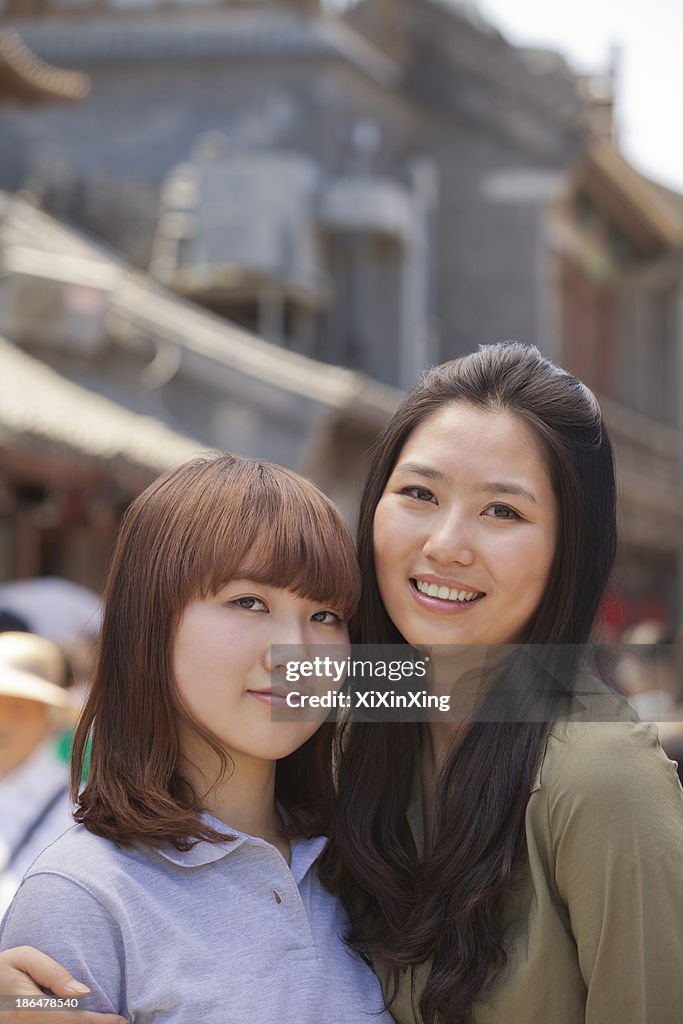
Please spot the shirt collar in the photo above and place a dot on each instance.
(202, 852)
(305, 852)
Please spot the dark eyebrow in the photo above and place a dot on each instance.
(426, 471)
(491, 487)
(506, 487)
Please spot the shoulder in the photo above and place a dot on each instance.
(78, 875)
(86, 860)
(602, 760)
(59, 908)
(608, 778)
(584, 753)
(61, 889)
(603, 741)
(75, 849)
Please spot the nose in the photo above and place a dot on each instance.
(450, 541)
(286, 644)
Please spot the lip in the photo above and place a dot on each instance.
(442, 581)
(273, 697)
(437, 604)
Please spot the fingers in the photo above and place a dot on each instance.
(23, 969)
(35, 967)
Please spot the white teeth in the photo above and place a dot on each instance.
(445, 593)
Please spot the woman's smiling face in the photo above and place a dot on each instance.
(465, 531)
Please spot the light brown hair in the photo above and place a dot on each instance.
(213, 519)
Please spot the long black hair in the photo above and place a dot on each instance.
(445, 907)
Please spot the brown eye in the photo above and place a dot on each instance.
(328, 618)
(502, 512)
(419, 493)
(250, 604)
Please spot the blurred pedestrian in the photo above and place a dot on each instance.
(650, 670)
(65, 612)
(647, 672)
(56, 608)
(34, 706)
(11, 623)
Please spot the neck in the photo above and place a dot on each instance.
(244, 798)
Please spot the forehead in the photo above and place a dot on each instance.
(462, 439)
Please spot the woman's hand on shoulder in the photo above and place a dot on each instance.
(25, 972)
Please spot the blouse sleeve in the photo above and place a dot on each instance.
(615, 813)
(61, 918)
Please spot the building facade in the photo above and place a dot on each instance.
(375, 191)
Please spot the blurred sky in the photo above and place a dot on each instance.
(650, 75)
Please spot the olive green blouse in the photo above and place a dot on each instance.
(593, 920)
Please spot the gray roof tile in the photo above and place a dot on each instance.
(85, 40)
(40, 408)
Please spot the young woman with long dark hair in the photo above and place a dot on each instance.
(522, 869)
(519, 867)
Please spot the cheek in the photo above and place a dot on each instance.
(546, 553)
(389, 537)
(199, 658)
(531, 568)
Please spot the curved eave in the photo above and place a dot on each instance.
(43, 412)
(640, 210)
(225, 34)
(25, 78)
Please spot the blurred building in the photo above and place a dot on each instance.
(26, 79)
(614, 250)
(377, 191)
(99, 393)
(98, 386)
(70, 462)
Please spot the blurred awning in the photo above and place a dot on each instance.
(25, 78)
(641, 210)
(44, 413)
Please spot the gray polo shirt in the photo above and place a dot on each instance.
(222, 934)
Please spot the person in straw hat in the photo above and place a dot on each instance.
(34, 801)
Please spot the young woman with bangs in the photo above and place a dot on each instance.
(189, 890)
(524, 864)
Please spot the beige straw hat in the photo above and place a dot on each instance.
(32, 668)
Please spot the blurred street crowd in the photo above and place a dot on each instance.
(48, 628)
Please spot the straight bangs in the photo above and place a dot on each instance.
(267, 524)
(211, 520)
